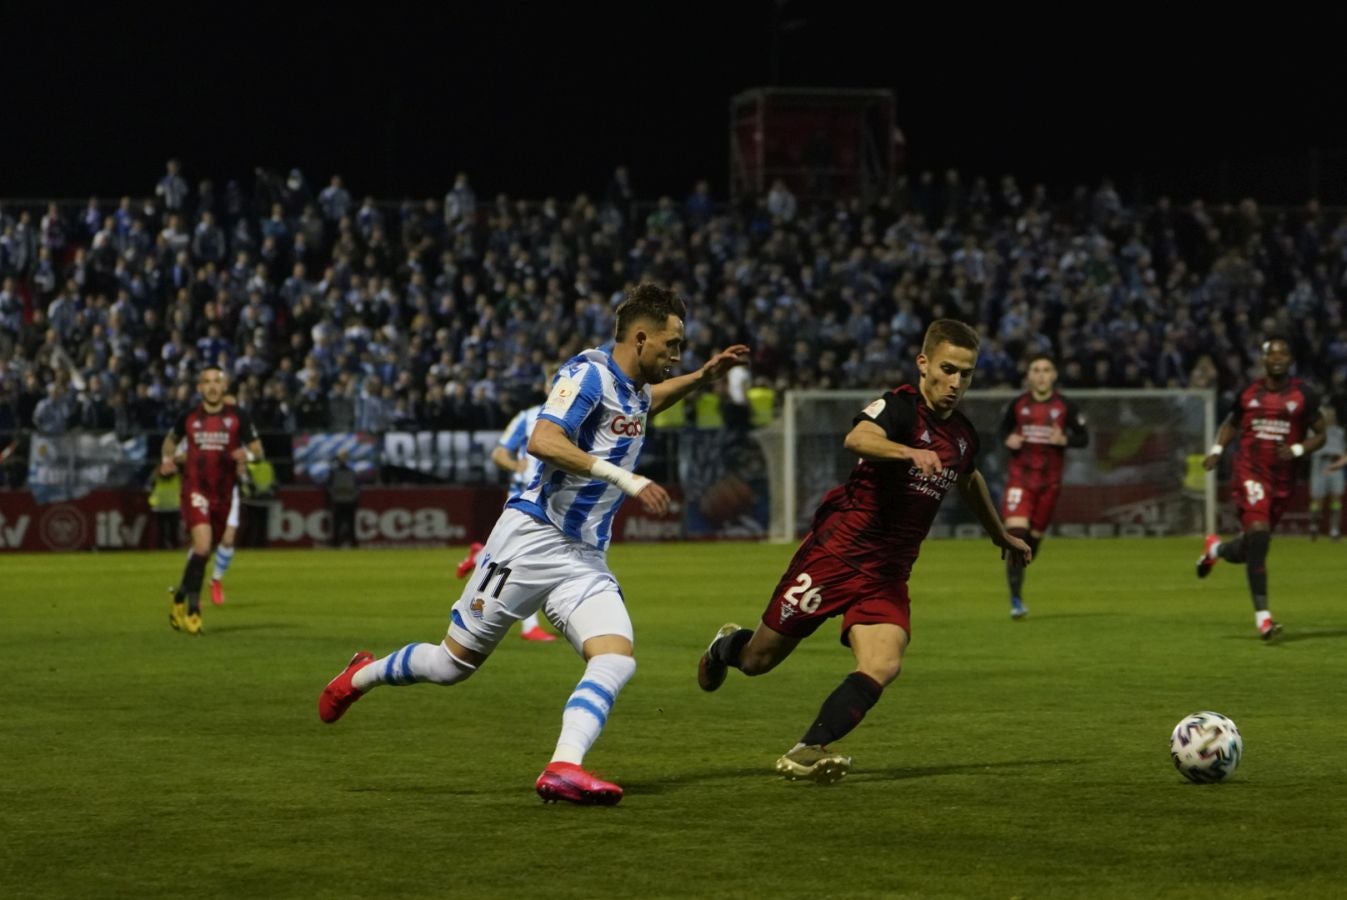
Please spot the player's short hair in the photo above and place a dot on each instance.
(1037, 356)
(649, 302)
(201, 372)
(949, 331)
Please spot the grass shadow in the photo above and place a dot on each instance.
(895, 773)
(1287, 637)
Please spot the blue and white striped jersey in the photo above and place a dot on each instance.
(603, 412)
(515, 440)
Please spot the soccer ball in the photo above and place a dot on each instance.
(1206, 747)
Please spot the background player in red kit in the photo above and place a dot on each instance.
(220, 438)
(1274, 418)
(866, 534)
(1038, 427)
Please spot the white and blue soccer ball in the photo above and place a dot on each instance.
(1206, 747)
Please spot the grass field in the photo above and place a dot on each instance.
(1020, 759)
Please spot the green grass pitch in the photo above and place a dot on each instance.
(1011, 759)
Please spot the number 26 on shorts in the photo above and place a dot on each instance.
(803, 595)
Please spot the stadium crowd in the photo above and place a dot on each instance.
(332, 313)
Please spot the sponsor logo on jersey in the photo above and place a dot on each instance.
(633, 427)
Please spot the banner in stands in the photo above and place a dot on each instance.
(315, 453)
(68, 466)
(463, 457)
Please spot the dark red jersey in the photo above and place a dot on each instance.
(212, 438)
(1038, 463)
(877, 519)
(1265, 420)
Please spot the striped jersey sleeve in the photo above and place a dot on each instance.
(603, 412)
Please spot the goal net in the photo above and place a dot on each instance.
(1140, 475)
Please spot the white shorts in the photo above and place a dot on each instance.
(233, 520)
(1325, 484)
(526, 566)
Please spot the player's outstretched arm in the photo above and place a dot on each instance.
(975, 495)
(670, 391)
(550, 444)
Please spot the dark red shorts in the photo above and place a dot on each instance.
(202, 509)
(1256, 500)
(1035, 504)
(819, 585)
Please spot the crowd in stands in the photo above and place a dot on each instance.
(333, 313)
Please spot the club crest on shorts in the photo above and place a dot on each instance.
(476, 606)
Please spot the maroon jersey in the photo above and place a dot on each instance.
(1265, 420)
(1038, 464)
(875, 521)
(212, 438)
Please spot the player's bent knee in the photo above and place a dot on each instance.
(441, 666)
(608, 645)
(884, 674)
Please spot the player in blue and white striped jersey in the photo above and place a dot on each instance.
(511, 451)
(547, 550)
(511, 455)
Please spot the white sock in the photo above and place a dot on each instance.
(1261, 616)
(223, 557)
(530, 623)
(413, 663)
(587, 709)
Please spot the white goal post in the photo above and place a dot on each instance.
(1140, 475)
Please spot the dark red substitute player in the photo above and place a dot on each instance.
(1038, 427)
(220, 440)
(1278, 420)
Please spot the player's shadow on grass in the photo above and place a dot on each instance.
(902, 773)
(1289, 636)
(895, 773)
(258, 626)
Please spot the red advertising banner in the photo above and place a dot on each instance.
(297, 517)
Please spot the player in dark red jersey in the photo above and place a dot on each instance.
(220, 439)
(1038, 427)
(866, 534)
(1278, 420)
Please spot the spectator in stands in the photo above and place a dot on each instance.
(54, 413)
(781, 203)
(171, 190)
(334, 200)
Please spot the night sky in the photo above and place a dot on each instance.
(542, 99)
